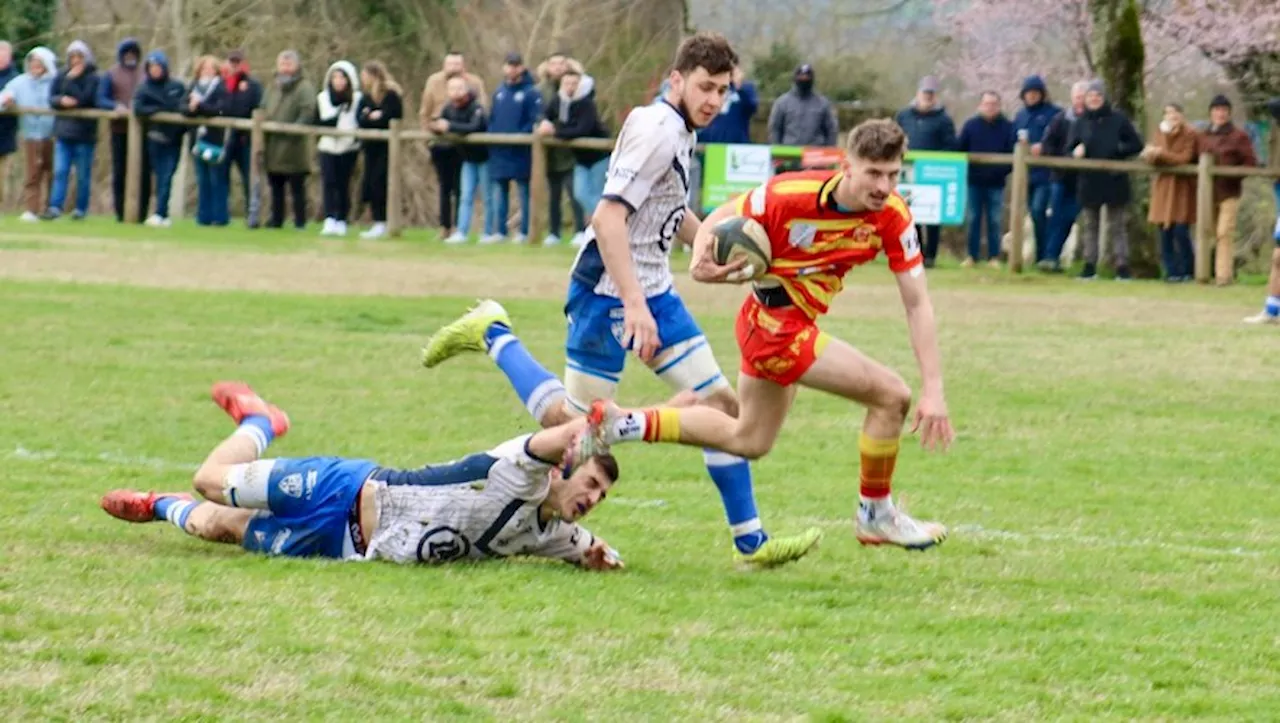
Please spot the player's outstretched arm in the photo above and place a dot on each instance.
(550, 444)
(931, 413)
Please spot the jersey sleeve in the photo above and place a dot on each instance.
(569, 541)
(641, 159)
(519, 472)
(901, 242)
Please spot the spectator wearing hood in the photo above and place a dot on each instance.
(517, 108)
(244, 94)
(8, 123)
(287, 159)
(928, 128)
(1031, 122)
(381, 102)
(115, 92)
(159, 92)
(560, 162)
(1230, 146)
(207, 98)
(1173, 197)
(572, 114)
(32, 89)
(1103, 133)
(802, 117)
(336, 107)
(1063, 204)
(989, 131)
(74, 138)
(463, 114)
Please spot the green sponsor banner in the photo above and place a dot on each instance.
(934, 183)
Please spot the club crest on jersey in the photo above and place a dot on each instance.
(802, 235)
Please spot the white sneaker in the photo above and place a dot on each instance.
(1262, 317)
(887, 525)
(329, 225)
(155, 221)
(378, 230)
(29, 217)
(519, 239)
(579, 240)
(455, 239)
(551, 240)
(339, 228)
(490, 238)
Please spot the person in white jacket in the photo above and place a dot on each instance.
(336, 106)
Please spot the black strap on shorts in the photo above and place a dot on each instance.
(353, 524)
(774, 297)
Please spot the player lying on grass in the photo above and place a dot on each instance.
(820, 225)
(523, 497)
(621, 296)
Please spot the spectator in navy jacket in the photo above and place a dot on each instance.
(8, 124)
(76, 138)
(928, 128)
(987, 132)
(517, 107)
(1032, 121)
(160, 92)
(115, 92)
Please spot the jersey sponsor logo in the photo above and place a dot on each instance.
(292, 485)
(802, 235)
(626, 175)
(443, 544)
(910, 241)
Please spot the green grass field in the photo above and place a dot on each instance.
(1112, 498)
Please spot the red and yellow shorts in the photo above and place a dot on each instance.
(778, 344)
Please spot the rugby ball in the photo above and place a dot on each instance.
(741, 237)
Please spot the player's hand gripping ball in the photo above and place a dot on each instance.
(739, 237)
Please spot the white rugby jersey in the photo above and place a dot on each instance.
(649, 174)
(481, 506)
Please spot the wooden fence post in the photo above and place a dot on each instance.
(257, 151)
(1018, 205)
(1204, 219)
(133, 170)
(394, 158)
(537, 191)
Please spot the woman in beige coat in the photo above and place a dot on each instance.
(1173, 197)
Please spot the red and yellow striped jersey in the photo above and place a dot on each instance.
(815, 243)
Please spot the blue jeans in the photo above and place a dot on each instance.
(985, 203)
(588, 185)
(474, 175)
(164, 161)
(212, 194)
(1175, 250)
(1065, 209)
(67, 154)
(501, 188)
(1038, 198)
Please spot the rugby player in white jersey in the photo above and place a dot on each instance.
(523, 497)
(621, 295)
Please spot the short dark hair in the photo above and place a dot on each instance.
(877, 140)
(991, 93)
(451, 51)
(708, 50)
(608, 465)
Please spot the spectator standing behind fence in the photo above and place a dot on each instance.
(435, 94)
(447, 158)
(115, 92)
(244, 94)
(336, 106)
(1230, 146)
(1103, 133)
(32, 90)
(465, 114)
(928, 128)
(571, 114)
(801, 116)
(160, 93)
(206, 97)
(8, 124)
(560, 161)
(517, 107)
(1064, 206)
(289, 99)
(987, 132)
(1031, 122)
(1173, 197)
(74, 138)
(381, 103)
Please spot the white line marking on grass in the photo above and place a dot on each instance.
(111, 458)
(1087, 541)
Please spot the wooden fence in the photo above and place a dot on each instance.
(1021, 161)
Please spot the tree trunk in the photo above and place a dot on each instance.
(1118, 46)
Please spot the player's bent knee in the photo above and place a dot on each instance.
(208, 481)
(724, 399)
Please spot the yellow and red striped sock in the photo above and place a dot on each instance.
(662, 424)
(879, 456)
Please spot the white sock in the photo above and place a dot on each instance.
(629, 427)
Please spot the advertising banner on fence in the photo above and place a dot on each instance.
(933, 183)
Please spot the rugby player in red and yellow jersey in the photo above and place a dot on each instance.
(821, 224)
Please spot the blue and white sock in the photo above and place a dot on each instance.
(176, 510)
(732, 476)
(539, 390)
(257, 428)
(1273, 306)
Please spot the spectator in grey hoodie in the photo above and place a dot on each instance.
(928, 128)
(801, 117)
